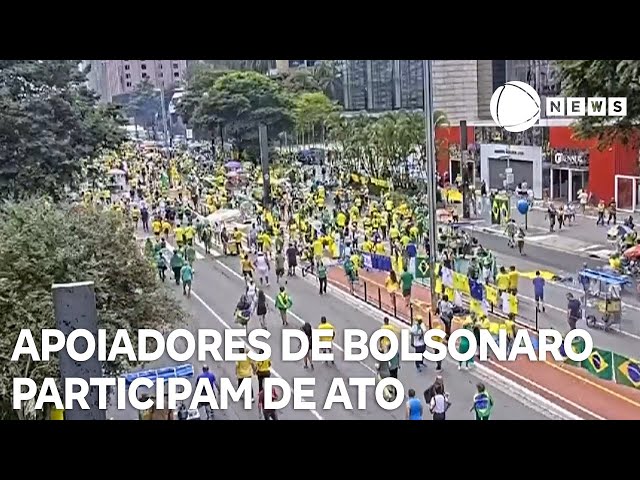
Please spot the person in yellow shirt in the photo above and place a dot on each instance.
(341, 220)
(502, 281)
(392, 285)
(247, 267)
(166, 229)
(513, 280)
(413, 233)
(237, 239)
(189, 233)
(384, 341)
(380, 248)
(245, 369)
(263, 370)
(179, 234)
(156, 227)
(367, 246)
(328, 334)
(318, 249)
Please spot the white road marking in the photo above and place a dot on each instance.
(589, 247)
(291, 313)
(227, 326)
(541, 238)
(514, 390)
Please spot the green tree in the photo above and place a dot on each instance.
(240, 102)
(604, 78)
(381, 146)
(36, 253)
(298, 81)
(311, 112)
(49, 122)
(193, 106)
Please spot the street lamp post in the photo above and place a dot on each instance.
(430, 164)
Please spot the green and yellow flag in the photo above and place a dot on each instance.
(627, 371)
(600, 364)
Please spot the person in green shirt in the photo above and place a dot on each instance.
(176, 263)
(406, 280)
(186, 273)
(190, 253)
(283, 304)
(482, 403)
(161, 265)
(322, 277)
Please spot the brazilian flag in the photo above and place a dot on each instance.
(422, 267)
(627, 371)
(577, 346)
(600, 364)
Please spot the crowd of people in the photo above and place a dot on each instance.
(307, 228)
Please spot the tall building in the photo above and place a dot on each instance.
(461, 88)
(111, 78)
(540, 74)
(284, 66)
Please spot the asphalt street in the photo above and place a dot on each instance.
(626, 343)
(218, 286)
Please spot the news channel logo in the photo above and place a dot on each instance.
(515, 106)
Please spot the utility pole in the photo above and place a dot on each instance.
(164, 117)
(430, 164)
(75, 308)
(264, 161)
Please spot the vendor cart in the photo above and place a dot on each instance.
(179, 371)
(602, 303)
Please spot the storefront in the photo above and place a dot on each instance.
(583, 163)
(506, 166)
(568, 173)
(448, 149)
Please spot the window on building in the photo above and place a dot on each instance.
(129, 84)
(143, 66)
(127, 67)
(176, 74)
(144, 75)
(127, 75)
(160, 75)
(176, 66)
(160, 66)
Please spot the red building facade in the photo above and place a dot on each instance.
(603, 165)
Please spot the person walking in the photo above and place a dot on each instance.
(574, 308)
(439, 403)
(263, 370)
(413, 406)
(482, 403)
(322, 277)
(283, 304)
(417, 338)
(538, 291)
(261, 308)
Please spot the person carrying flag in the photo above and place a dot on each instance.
(482, 403)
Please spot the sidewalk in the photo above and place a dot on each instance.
(582, 237)
(570, 387)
